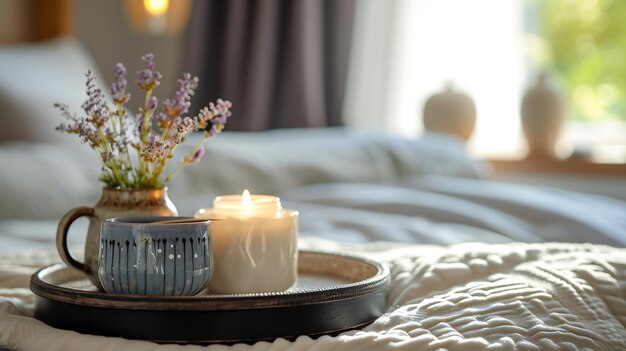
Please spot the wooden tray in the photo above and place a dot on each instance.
(335, 293)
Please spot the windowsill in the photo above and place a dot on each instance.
(566, 167)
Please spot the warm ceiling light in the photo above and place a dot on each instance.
(156, 7)
(158, 17)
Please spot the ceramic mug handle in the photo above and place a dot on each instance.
(64, 226)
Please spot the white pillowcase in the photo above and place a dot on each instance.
(45, 180)
(33, 77)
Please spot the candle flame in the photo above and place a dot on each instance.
(246, 198)
(156, 7)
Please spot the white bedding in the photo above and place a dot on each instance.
(362, 192)
(444, 210)
(543, 296)
(45, 180)
(425, 210)
(466, 297)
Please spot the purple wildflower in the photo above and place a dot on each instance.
(106, 156)
(111, 137)
(185, 88)
(88, 134)
(139, 123)
(118, 88)
(85, 131)
(156, 151)
(195, 157)
(153, 103)
(184, 127)
(212, 119)
(65, 112)
(148, 78)
(162, 120)
(95, 106)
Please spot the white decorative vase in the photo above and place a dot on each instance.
(543, 115)
(450, 112)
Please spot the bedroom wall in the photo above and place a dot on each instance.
(104, 30)
(13, 21)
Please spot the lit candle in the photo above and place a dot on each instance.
(244, 206)
(254, 244)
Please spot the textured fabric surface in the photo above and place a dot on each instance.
(445, 211)
(465, 297)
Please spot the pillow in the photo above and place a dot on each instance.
(33, 77)
(45, 180)
(277, 160)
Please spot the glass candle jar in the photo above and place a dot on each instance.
(254, 243)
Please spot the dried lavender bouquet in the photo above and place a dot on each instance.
(134, 148)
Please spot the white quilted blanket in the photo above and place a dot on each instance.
(464, 297)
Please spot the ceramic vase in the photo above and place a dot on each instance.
(543, 115)
(450, 112)
(113, 203)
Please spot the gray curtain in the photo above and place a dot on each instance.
(283, 63)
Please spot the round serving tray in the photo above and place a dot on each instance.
(334, 293)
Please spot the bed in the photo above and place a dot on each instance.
(476, 264)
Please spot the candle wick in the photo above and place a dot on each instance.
(246, 198)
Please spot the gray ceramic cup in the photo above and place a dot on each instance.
(140, 257)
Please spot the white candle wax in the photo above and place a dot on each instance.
(246, 206)
(254, 244)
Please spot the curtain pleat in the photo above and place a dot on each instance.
(282, 63)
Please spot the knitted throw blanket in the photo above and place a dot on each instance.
(464, 297)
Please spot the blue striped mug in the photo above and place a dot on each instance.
(155, 255)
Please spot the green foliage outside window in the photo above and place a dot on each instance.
(585, 45)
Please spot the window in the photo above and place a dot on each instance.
(493, 50)
(583, 44)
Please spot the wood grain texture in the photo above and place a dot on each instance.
(560, 167)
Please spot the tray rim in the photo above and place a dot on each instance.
(374, 284)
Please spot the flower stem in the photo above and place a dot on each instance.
(184, 161)
(166, 130)
(146, 118)
(126, 155)
(178, 168)
(145, 131)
